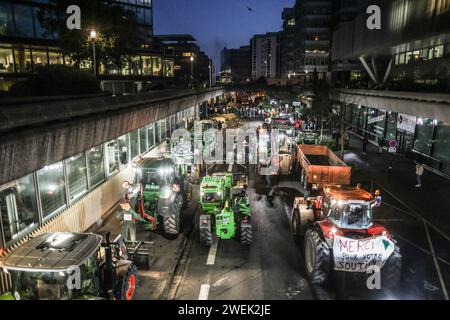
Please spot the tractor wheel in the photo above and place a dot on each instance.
(172, 222)
(317, 257)
(206, 237)
(128, 284)
(392, 269)
(246, 233)
(296, 227)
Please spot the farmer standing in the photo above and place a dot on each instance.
(365, 142)
(127, 216)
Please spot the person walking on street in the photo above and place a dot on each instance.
(390, 167)
(419, 174)
(365, 142)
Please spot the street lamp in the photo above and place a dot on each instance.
(192, 71)
(93, 37)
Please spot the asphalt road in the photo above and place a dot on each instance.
(272, 267)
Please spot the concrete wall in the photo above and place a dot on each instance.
(34, 135)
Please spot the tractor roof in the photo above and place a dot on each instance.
(348, 193)
(52, 252)
(154, 163)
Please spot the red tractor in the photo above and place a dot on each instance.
(338, 233)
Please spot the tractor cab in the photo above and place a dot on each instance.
(155, 173)
(162, 191)
(212, 192)
(349, 207)
(308, 137)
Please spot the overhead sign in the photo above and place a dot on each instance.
(406, 122)
(357, 255)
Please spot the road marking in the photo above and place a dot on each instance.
(436, 263)
(204, 292)
(212, 253)
(415, 214)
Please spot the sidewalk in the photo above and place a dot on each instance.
(431, 201)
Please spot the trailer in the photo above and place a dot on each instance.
(320, 166)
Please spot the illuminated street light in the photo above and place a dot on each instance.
(93, 37)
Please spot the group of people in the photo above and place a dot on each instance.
(250, 112)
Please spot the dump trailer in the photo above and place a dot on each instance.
(320, 166)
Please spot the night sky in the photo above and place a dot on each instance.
(215, 23)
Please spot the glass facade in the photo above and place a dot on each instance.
(151, 136)
(134, 144)
(77, 176)
(39, 196)
(111, 157)
(157, 132)
(6, 60)
(52, 188)
(122, 142)
(424, 136)
(143, 139)
(96, 165)
(431, 138)
(18, 207)
(23, 60)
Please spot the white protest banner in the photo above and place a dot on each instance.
(357, 255)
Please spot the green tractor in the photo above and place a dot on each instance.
(70, 266)
(162, 191)
(225, 209)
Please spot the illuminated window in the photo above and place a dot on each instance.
(23, 60)
(6, 61)
(424, 54)
(168, 68)
(438, 52)
(52, 188)
(39, 58)
(147, 65)
(18, 207)
(55, 57)
(77, 176)
(157, 66)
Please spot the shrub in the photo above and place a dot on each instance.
(56, 80)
